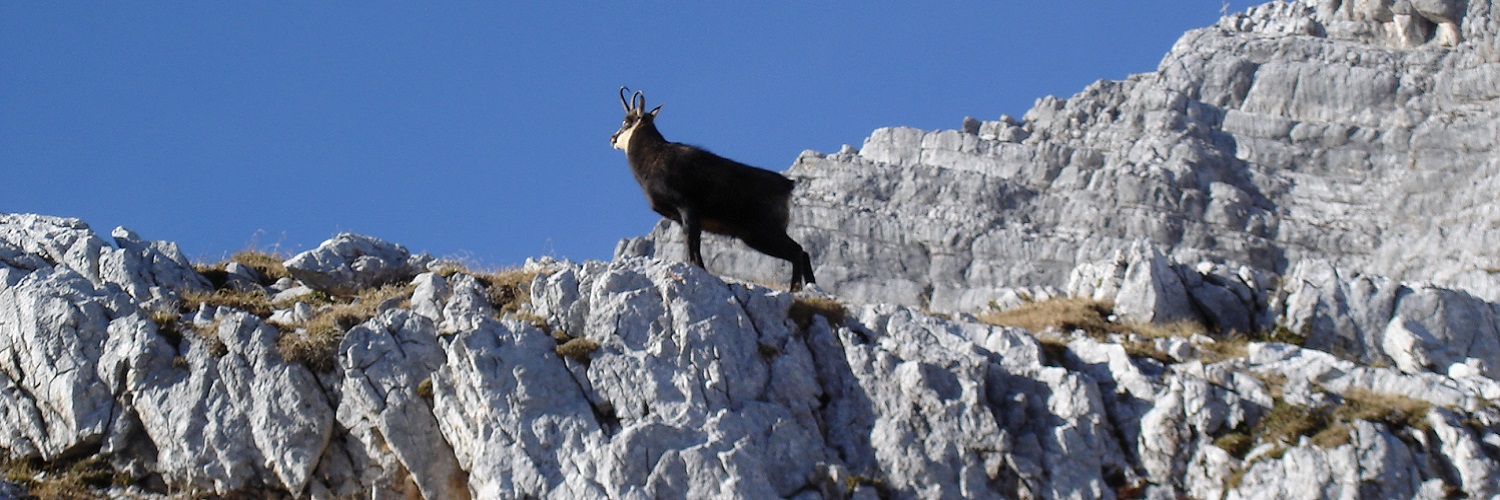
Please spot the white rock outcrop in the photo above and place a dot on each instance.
(353, 261)
(696, 387)
(1320, 172)
(1295, 130)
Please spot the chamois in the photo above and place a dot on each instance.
(703, 191)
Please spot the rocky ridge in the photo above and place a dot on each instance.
(1360, 132)
(1284, 179)
(690, 386)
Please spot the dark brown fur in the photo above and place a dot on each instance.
(703, 191)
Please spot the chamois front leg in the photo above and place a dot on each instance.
(692, 226)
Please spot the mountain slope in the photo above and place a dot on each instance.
(646, 378)
(1296, 130)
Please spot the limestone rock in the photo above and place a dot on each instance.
(1327, 167)
(55, 397)
(229, 420)
(150, 271)
(702, 388)
(1363, 133)
(386, 362)
(352, 261)
(1418, 327)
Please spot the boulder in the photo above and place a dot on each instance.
(351, 262)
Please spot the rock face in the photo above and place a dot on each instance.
(353, 261)
(1361, 132)
(692, 387)
(1286, 174)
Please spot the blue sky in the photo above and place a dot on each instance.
(480, 129)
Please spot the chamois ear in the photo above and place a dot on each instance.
(654, 110)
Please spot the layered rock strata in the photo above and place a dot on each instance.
(697, 387)
(1364, 133)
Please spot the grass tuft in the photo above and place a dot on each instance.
(316, 343)
(1092, 317)
(424, 389)
(266, 264)
(1230, 346)
(578, 349)
(804, 308)
(507, 290)
(1236, 442)
(168, 324)
(1282, 334)
(1066, 315)
(255, 302)
(1285, 424)
(63, 479)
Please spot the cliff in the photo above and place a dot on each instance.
(1264, 271)
(1359, 132)
(359, 369)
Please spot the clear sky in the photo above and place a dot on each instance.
(480, 129)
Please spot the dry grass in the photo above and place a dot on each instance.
(1064, 315)
(255, 302)
(1393, 410)
(578, 349)
(267, 265)
(424, 389)
(1093, 318)
(169, 325)
(856, 482)
(78, 479)
(1284, 424)
(507, 290)
(1281, 334)
(1182, 328)
(314, 298)
(1273, 381)
(1230, 346)
(1146, 349)
(540, 323)
(316, 343)
(1236, 442)
(1237, 345)
(804, 308)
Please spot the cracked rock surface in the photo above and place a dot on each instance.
(1309, 186)
(1365, 133)
(697, 387)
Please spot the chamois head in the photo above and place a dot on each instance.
(635, 117)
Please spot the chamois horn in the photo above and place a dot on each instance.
(623, 90)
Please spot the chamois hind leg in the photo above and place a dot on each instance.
(807, 274)
(693, 228)
(783, 247)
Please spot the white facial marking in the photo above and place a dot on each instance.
(622, 140)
